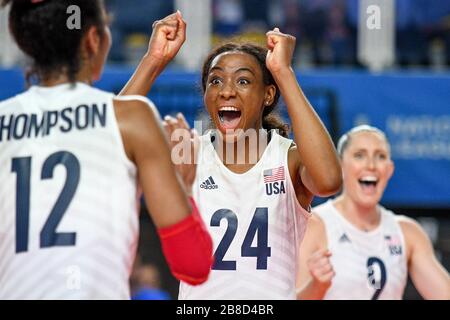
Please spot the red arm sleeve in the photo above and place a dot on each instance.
(188, 247)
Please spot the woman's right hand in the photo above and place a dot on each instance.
(321, 269)
(184, 143)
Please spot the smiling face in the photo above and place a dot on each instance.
(235, 93)
(367, 168)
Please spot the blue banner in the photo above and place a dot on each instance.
(413, 108)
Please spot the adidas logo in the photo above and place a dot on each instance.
(209, 184)
(344, 238)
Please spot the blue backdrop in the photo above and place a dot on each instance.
(413, 108)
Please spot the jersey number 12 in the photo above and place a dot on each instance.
(48, 236)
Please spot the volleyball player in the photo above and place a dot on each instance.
(256, 210)
(71, 158)
(354, 248)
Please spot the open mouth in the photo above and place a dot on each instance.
(229, 117)
(368, 183)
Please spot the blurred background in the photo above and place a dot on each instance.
(380, 62)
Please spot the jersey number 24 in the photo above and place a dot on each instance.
(258, 226)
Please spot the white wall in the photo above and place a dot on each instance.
(9, 53)
(198, 15)
(376, 34)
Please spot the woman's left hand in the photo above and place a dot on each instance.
(185, 145)
(281, 49)
(168, 36)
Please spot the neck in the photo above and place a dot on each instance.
(364, 218)
(246, 151)
(54, 79)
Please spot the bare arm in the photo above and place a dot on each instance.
(428, 275)
(320, 170)
(167, 38)
(146, 145)
(185, 241)
(143, 78)
(315, 270)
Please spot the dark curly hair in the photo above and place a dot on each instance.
(271, 120)
(40, 30)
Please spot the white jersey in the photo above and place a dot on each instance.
(68, 205)
(256, 224)
(368, 265)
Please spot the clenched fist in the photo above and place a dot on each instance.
(167, 38)
(320, 267)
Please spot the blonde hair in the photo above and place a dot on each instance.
(344, 141)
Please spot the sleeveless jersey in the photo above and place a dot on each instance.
(68, 197)
(256, 224)
(368, 265)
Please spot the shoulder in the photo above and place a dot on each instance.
(315, 235)
(329, 218)
(135, 104)
(293, 157)
(294, 161)
(321, 213)
(410, 227)
(316, 223)
(415, 236)
(139, 124)
(11, 102)
(280, 143)
(135, 109)
(284, 140)
(316, 226)
(6, 105)
(304, 195)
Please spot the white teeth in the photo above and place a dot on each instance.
(229, 109)
(369, 179)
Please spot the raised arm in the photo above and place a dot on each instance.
(167, 38)
(315, 270)
(429, 277)
(318, 164)
(186, 243)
